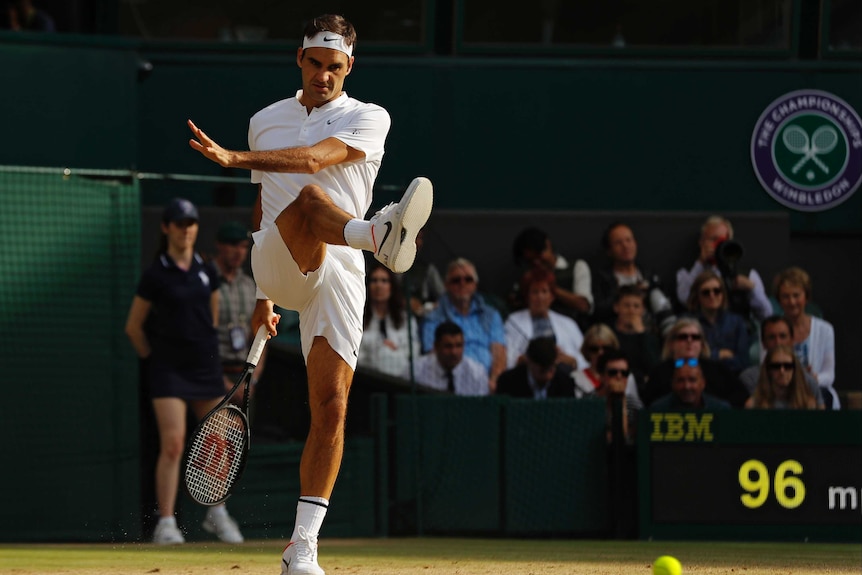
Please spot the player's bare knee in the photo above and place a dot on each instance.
(311, 196)
(330, 411)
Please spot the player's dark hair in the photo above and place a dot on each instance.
(446, 328)
(331, 23)
(530, 239)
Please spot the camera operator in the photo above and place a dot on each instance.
(620, 246)
(720, 253)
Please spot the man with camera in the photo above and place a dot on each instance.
(720, 253)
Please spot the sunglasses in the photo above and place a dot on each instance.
(691, 362)
(688, 337)
(617, 372)
(598, 348)
(782, 365)
(710, 291)
(461, 280)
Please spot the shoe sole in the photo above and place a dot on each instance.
(417, 202)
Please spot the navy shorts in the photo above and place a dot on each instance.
(198, 382)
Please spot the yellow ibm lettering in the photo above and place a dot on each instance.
(681, 427)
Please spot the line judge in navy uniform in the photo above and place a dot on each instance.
(172, 328)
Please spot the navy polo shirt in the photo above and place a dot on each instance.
(180, 324)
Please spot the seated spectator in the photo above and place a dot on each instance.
(641, 346)
(538, 377)
(599, 340)
(422, 283)
(484, 339)
(726, 332)
(618, 242)
(687, 389)
(573, 294)
(747, 296)
(686, 340)
(447, 368)
(538, 320)
(774, 331)
(781, 384)
(813, 338)
(388, 342)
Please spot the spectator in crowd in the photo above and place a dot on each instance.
(178, 300)
(538, 320)
(687, 389)
(22, 15)
(484, 339)
(747, 296)
(813, 338)
(615, 385)
(686, 340)
(618, 242)
(774, 331)
(236, 303)
(726, 332)
(573, 294)
(640, 345)
(538, 376)
(781, 384)
(422, 283)
(447, 368)
(599, 340)
(389, 340)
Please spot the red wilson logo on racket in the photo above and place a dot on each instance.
(215, 457)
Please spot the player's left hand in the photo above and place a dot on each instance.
(208, 147)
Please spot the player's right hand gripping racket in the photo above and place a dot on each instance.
(217, 451)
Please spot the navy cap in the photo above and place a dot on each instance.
(178, 210)
(231, 233)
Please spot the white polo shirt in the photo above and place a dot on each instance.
(287, 124)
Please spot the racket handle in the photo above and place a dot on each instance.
(257, 346)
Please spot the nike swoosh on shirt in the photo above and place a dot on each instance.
(332, 120)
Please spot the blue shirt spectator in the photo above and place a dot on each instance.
(484, 338)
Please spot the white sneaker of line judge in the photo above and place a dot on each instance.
(300, 556)
(222, 525)
(395, 227)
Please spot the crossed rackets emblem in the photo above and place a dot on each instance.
(822, 141)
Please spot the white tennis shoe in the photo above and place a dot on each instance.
(222, 526)
(167, 533)
(395, 227)
(300, 557)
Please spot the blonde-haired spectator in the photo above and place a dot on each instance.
(781, 384)
(813, 338)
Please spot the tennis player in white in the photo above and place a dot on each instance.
(315, 157)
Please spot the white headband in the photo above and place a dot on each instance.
(327, 40)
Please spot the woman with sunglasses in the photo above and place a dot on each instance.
(686, 339)
(725, 331)
(813, 338)
(781, 384)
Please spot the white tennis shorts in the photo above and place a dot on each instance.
(330, 300)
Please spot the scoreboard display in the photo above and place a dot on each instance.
(752, 474)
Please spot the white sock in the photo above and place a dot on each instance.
(168, 521)
(357, 234)
(310, 512)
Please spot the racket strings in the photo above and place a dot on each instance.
(215, 455)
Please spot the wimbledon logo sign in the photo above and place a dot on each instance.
(806, 150)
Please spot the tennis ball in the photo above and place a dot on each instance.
(667, 565)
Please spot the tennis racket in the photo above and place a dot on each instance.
(217, 451)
